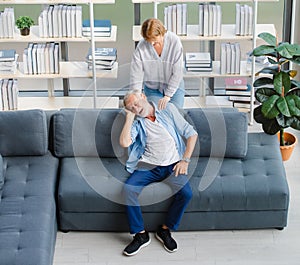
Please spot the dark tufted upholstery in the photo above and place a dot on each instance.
(27, 199)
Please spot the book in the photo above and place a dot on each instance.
(197, 57)
(103, 54)
(236, 81)
(99, 24)
(96, 34)
(199, 69)
(102, 62)
(240, 98)
(7, 55)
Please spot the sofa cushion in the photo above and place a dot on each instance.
(1, 172)
(28, 211)
(86, 132)
(23, 133)
(220, 133)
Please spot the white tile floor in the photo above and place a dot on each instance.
(246, 247)
(243, 247)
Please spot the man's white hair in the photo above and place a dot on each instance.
(136, 92)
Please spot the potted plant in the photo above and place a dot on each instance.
(23, 24)
(277, 91)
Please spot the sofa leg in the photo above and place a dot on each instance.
(64, 231)
(280, 228)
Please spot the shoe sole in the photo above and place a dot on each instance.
(169, 250)
(135, 252)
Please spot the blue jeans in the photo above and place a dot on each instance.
(141, 178)
(177, 99)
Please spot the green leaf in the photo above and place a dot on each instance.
(285, 50)
(293, 103)
(269, 70)
(282, 80)
(262, 81)
(269, 108)
(269, 126)
(296, 60)
(283, 107)
(264, 93)
(272, 61)
(268, 38)
(294, 91)
(284, 122)
(295, 83)
(263, 50)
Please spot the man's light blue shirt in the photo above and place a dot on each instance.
(172, 120)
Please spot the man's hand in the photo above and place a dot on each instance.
(181, 168)
(162, 103)
(129, 114)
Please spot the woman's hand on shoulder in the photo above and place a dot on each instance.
(162, 103)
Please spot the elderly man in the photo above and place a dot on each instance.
(157, 153)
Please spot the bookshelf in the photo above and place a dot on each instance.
(68, 69)
(227, 34)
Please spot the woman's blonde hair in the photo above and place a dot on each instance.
(152, 28)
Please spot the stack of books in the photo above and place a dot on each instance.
(210, 20)
(243, 20)
(8, 61)
(198, 62)
(56, 21)
(175, 18)
(230, 58)
(105, 58)
(102, 28)
(239, 92)
(7, 23)
(41, 58)
(8, 94)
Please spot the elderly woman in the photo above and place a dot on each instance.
(157, 64)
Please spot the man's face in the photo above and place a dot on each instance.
(138, 105)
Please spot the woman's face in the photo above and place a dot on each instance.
(155, 41)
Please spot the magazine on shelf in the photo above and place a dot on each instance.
(103, 54)
(198, 57)
(99, 25)
(7, 55)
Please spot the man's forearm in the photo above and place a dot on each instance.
(125, 136)
(190, 145)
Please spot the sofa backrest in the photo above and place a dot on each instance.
(23, 133)
(1, 172)
(221, 133)
(87, 132)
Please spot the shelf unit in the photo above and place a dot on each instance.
(228, 33)
(68, 69)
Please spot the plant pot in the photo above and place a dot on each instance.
(287, 150)
(25, 31)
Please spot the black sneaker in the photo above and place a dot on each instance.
(164, 236)
(139, 241)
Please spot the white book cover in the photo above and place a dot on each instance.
(45, 23)
(170, 13)
(69, 25)
(41, 26)
(233, 59)
(34, 59)
(237, 58)
(56, 58)
(51, 57)
(25, 61)
(197, 57)
(215, 20)
(11, 22)
(38, 58)
(50, 22)
(210, 19)
(5, 24)
(219, 20)
(237, 19)
(228, 58)
(10, 94)
(47, 58)
(184, 19)
(15, 93)
(59, 20)
(250, 29)
(4, 94)
(64, 21)
(205, 20)
(240, 98)
(246, 10)
(1, 25)
(174, 15)
(78, 21)
(73, 21)
(223, 58)
(42, 59)
(201, 19)
(1, 99)
(166, 17)
(29, 58)
(55, 21)
(242, 27)
(179, 19)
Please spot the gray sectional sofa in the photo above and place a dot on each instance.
(76, 164)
